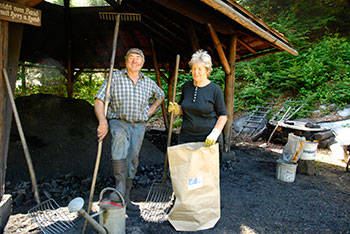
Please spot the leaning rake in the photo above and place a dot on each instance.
(160, 197)
(50, 218)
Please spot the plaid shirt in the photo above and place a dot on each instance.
(128, 101)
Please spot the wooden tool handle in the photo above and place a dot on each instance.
(171, 120)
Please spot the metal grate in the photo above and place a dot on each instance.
(158, 203)
(123, 16)
(50, 218)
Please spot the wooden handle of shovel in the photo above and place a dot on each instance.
(23, 139)
(165, 172)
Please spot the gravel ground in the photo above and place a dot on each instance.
(252, 199)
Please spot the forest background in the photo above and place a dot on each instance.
(320, 75)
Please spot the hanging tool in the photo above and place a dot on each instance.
(117, 17)
(160, 196)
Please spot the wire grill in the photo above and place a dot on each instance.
(52, 219)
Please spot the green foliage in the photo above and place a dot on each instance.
(319, 75)
(177, 122)
(87, 86)
(48, 80)
(308, 15)
(39, 79)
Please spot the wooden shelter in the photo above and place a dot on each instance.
(76, 39)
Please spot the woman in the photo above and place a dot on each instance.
(202, 104)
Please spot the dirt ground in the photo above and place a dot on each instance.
(63, 146)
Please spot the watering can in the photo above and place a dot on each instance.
(112, 215)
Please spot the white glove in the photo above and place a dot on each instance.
(212, 137)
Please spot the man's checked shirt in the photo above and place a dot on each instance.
(128, 101)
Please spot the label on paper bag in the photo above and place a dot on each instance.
(195, 183)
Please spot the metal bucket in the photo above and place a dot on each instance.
(113, 215)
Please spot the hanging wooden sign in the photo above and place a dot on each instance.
(13, 12)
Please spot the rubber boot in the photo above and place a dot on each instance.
(119, 167)
(129, 204)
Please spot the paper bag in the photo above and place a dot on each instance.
(194, 171)
(292, 150)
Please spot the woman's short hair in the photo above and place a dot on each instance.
(202, 56)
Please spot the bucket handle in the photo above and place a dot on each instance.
(111, 189)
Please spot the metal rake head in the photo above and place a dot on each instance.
(123, 16)
(51, 218)
(158, 203)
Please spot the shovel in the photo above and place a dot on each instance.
(47, 215)
(161, 196)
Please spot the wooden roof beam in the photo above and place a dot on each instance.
(164, 28)
(156, 13)
(196, 13)
(159, 82)
(162, 35)
(193, 37)
(238, 17)
(246, 46)
(259, 55)
(219, 49)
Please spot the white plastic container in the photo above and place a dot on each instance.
(285, 171)
(309, 151)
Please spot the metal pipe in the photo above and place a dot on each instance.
(93, 222)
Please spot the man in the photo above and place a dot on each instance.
(126, 118)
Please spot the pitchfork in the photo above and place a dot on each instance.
(160, 196)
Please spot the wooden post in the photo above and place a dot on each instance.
(230, 93)
(68, 31)
(170, 82)
(10, 45)
(230, 70)
(4, 34)
(156, 68)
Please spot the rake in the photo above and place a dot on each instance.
(47, 215)
(160, 197)
(112, 16)
(51, 218)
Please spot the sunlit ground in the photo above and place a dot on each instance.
(323, 155)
